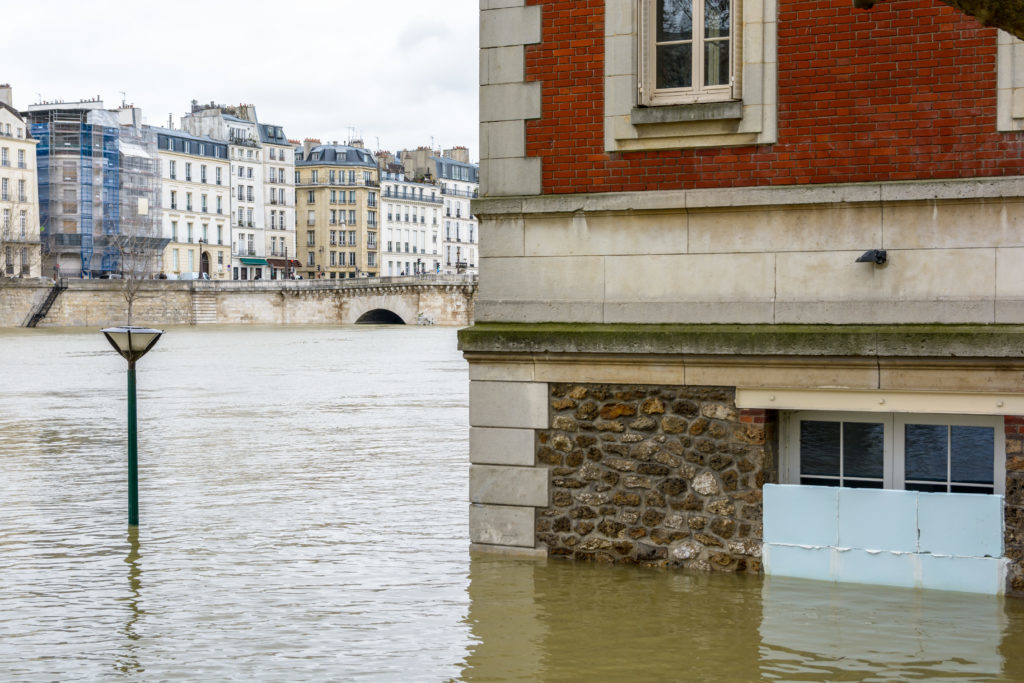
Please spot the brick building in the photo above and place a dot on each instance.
(751, 289)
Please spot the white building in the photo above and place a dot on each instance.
(410, 234)
(278, 200)
(196, 198)
(458, 182)
(20, 248)
(248, 234)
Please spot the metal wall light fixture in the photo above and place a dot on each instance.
(132, 343)
(876, 256)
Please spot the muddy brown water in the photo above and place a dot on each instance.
(303, 517)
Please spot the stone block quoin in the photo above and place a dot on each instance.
(906, 91)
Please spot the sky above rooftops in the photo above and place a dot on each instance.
(397, 74)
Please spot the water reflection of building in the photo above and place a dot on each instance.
(822, 631)
(697, 287)
(547, 620)
(552, 621)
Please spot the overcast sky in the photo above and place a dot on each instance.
(399, 71)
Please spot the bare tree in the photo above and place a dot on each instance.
(1005, 14)
(19, 255)
(136, 264)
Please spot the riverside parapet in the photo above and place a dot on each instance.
(438, 300)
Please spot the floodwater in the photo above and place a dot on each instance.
(303, 517)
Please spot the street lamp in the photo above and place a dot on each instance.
(132, 343)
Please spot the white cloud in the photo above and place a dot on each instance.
(401, 71)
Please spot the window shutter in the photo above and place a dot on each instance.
(645, 46)
(736, 40)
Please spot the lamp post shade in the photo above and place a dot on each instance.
(132, 342)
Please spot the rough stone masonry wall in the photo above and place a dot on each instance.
(655, 475)
(1013, 528)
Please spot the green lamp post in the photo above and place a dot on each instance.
(132, 343)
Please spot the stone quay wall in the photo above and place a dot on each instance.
(666, 476)
(440, 301)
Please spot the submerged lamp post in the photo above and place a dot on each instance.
(132, 343)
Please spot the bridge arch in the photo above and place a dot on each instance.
(403, 305)
(380, 316)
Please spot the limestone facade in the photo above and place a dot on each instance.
(196, 198)
(91, 303)
(337, 191)
(20, 248)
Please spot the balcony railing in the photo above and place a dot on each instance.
(460, 193)
(337, 183)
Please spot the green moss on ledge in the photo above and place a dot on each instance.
(934, 340)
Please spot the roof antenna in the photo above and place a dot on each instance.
(124, 99)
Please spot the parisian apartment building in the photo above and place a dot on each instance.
(196, 201)
(20, 249)
(98, 185)
(458, 181)
(279, 200)
(263, 227)
(337, 190)
(410, 230)
(449, 182)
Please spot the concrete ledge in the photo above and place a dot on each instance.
(913, 341)
(521, 405)
(780, 195)
(500, 485)
(703, 111)
(502, 525)
(491, 446)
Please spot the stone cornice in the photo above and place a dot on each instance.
(834, 341)
(738, 197)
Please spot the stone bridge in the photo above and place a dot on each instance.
(421, 299)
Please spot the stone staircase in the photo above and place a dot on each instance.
(204, 308)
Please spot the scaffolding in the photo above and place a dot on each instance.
(99, 185)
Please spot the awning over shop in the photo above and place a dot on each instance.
(277, 262)
(253, 261)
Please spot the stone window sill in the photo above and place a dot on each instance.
(682, 113)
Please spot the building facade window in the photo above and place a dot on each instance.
(931, 453)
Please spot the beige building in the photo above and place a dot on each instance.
(196, 200)
(336, 207)
(20, 248)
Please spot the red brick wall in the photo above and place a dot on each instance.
(904, 91)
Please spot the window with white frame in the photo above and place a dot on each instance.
(686, 51)
(674, 65)
(914, 452)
